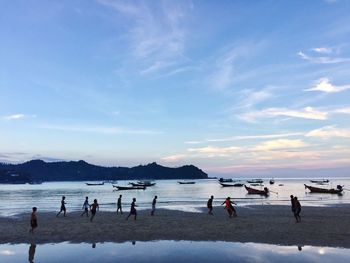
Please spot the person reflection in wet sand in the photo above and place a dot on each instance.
(31, 253)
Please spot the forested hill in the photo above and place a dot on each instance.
(38, 170)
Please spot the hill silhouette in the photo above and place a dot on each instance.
(38, 170)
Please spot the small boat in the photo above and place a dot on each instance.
(254, 191)
(184, 182)
(255, 181)
(320, 181)
(224, 180)
(91, 184)
(129, 187)
(142, 184)
(272, 181)
(313, 189)
(35, 182)
(256, 184)
(231, 185)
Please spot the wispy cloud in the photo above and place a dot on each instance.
(323, 50)
(174, 158)
(329, 132)
(18, 116)
(280, 144)
(322, 59)
(222, 67)
(99, 129)
(306, 113)
(157, 36)
(342, 110)
(252, 137)
(324, 85)
(211, 150)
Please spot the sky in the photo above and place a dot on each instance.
(233, 87)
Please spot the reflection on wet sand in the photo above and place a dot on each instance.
(31, 253)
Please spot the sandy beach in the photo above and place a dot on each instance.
(320, 226)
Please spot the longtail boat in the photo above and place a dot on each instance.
(232, 185)
(92, 184)
(142, 184)
(183, 182)
(313, 189)
(264, 192)
(320, 181)
(129, 187)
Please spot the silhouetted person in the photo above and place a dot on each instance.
(31, 253)
(154, 205)
(63, 207)
(119, 205)
(33, 220)
(93, 245)
(94, 207)
(297, 209)
(132, 209)
(228, 206)
(292, 203)
(210, 205)
(86, 207)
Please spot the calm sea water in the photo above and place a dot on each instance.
(171, 195)
(170, 251)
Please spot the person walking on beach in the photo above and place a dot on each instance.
(86, 207)
(33, 220)
(229, 207)
(119, 205)
(154, 205)
(93, 209)
(133, 209)
(297, 209)
(63, 207)
(292, 203)
(210, 205)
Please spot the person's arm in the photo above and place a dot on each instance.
(223, 202)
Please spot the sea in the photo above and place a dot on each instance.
(20, 198)
(17, 199)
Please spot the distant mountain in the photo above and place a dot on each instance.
(38, 170)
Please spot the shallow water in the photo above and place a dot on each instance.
(171, 195)
(170, 251)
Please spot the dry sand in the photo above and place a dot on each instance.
(320, 226)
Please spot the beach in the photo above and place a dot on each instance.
(320, 226)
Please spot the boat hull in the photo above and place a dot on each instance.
(323, 190)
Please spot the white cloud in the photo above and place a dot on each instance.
(99, 129)
(329, 132)
(279, 144)
(174, 158)
(306, 113)
(252, 137)
(324, 85)
(342, 110)
(323, 59)
(325, 50)
(18, 116)
(214, 150)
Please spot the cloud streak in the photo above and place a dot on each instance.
(99, 129)
(324, 85)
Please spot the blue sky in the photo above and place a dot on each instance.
(235, 87)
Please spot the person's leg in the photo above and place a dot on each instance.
(296, 216)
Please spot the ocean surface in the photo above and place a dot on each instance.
(170, 251)
(17, 199)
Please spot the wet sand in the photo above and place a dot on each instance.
(320, 226)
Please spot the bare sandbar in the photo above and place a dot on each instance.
(320, 226)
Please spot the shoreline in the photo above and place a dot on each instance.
(320, 226)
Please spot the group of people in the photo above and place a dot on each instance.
(296, 207)
(228, 206)
(94, 207)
